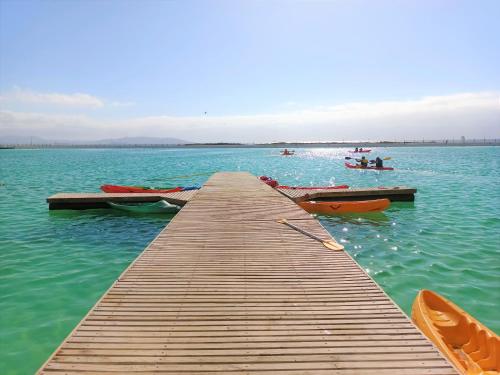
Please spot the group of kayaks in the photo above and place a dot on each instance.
(331, 208)
(375, 166)
(161, 206)
(359, 150)
(466, 342)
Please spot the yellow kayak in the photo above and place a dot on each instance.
(468, 344)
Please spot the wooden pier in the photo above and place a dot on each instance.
(82, 201)
(225, 289)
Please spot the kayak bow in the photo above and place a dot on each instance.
(468, 344)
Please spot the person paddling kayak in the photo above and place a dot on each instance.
(363, 162)
(379, 163)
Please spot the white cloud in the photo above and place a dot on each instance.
(437, 117)
(18, 95)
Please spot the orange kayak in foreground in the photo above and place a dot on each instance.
(468, 344)
(332, 208)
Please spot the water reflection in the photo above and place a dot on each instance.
(401, 205)
(100, 213)
(369, 218)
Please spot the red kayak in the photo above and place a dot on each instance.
(136, 189)
(314, 187)
(354, 166)
(360, 152)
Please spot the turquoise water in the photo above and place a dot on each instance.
(55, 265)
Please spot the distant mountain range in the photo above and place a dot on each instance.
(27, 140)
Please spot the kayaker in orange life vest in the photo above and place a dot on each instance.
(363, 161)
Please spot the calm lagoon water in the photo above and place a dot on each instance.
(55, 265)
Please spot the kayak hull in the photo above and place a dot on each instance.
(137, 189)
(160, 207)
(360, 152)
(354, 166)
(466, 342)
(332, 208)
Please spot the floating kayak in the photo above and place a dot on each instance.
(194, 187)
(354, 166)
(332, 208)
(313, 187)
(269, 181)
(159, 207)
(468, 344)
(137, 189)
(360, 152)
(287, 153)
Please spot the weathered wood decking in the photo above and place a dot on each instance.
(225, 289)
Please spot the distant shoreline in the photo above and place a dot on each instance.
(455, 143)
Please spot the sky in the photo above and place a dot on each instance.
(250, 71)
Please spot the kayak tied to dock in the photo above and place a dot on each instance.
(332, 208)
(145, 189)
(160, 207)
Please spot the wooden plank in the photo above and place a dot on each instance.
(226, 289)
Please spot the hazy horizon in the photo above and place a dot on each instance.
(250, 72)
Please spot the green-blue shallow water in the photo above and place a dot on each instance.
(55, 265)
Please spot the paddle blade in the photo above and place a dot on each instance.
(388, 158)
(282, 221)
(332, 245)
(347, 158)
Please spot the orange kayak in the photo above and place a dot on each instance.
(468, 344)
(332, 208)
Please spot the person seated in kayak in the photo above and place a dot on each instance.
(379, 163)
(356, 149)
(363, 162)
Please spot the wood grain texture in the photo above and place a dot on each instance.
(225, 289)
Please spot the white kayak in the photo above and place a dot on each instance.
(159, 207)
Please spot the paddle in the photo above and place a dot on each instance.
(330, 244)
